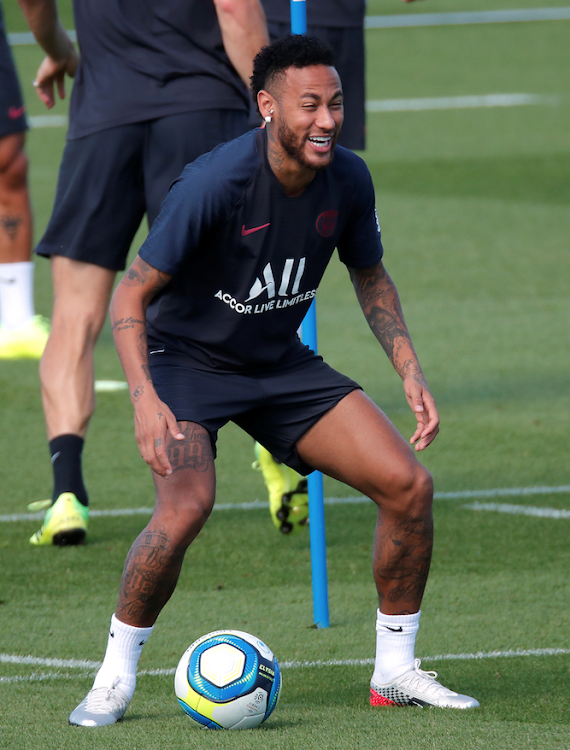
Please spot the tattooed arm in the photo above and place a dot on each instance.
(378, 298)
(153, 418)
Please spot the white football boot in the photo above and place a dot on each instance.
(418, 688)
(101, 707)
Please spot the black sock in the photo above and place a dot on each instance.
(65, 453)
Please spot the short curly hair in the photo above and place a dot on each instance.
(294, 51)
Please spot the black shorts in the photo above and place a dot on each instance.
(276, 405)
(108, 180)
(12, 117)
(348, 46)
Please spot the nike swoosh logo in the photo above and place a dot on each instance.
(111, 634)
(245, 232)
(15, 112)
(7, 281)
(394, 630)
(157, 351)
(55, 455)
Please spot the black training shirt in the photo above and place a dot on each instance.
(142, 59)
(246, 259)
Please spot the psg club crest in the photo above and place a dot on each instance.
(326, 223)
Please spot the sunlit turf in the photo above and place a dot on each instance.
(475, 226)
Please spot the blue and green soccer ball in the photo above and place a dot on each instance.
(228, 680)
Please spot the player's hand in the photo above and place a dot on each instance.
(422, 403)
(155, 424)
(51, 73)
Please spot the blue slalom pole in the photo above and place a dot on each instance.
(315, 480)
(317, 507)
(298, 17)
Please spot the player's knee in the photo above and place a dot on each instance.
(187, 516)
(409, 493)
(420, 494)
(75, 323)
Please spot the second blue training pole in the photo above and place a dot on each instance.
(315, 480)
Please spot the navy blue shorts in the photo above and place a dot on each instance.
(276, 405)
(12, 117)
(108, 180)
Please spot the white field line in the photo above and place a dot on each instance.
(520, 510)
(93, 666)
(35, 661)
(390, 105)
(459, 102)
(18, 38)
(413, 19)
(48, 121)
(257, 504)
(473, 17)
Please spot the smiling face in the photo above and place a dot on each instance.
(307, 117)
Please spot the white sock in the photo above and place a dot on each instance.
(124, 648)
(395, 645)
(16, 294)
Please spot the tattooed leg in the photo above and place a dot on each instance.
(357, 444)
(401, 560)
(183, 505)
(15, 212)
(149, 578)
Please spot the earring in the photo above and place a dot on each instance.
(267, 119)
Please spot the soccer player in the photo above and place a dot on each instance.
(341, 24)
(23, 334)
(205, 323)
(157, 84)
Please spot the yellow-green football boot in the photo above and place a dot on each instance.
(28, 341)
(288, 496)
(65, 522)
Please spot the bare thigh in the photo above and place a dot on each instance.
(185, 499)
(356, 443)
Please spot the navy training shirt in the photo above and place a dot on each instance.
(245, 259)
(143, 59)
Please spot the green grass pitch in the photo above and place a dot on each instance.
(473, 206)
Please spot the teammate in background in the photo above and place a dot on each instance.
(205, 324)
(23, 334)
(341, 24)
(157, 85)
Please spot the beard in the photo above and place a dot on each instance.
(294, 146)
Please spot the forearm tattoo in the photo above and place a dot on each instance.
(378, 298)
(124, 323)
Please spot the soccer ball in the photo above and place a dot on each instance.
(228, 680)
